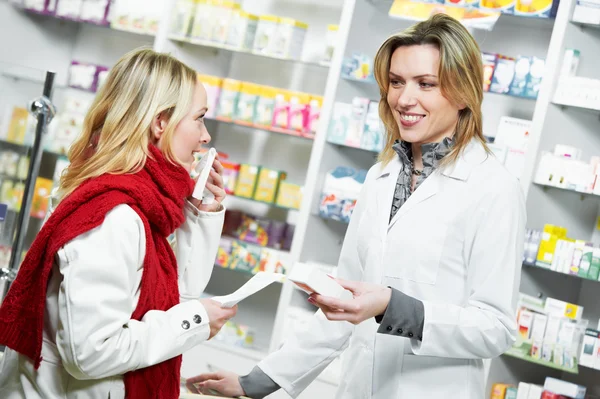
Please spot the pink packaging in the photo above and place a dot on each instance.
(45, 7)
(96, 11)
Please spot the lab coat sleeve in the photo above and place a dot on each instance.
(310, 350)
(102, 271)
(196, 245)
(485, 327)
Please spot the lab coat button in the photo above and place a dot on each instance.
(400, 331)
(185, 324)
(410, 334)
(389, 328)
(197, 319)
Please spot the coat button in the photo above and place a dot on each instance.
(185, 324)
(410, 335)
(389, 328)
(197, 319)
(420, 338)
(400, 331)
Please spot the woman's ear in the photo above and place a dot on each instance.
(159, 123)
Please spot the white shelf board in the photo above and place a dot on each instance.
(218, 46)
(254, 353)
(576, 107)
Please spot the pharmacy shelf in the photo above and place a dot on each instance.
(330, 218)
(273, 129)
(565, 106)
(23, 148)
(208, 44)
(520, 354)
(566, 189)
(270, 204)
(351, 146)
(584, 25)
(107, 27)
(250, 353)
(363, 81)
(559, 273)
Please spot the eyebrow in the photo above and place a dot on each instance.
(427, 75)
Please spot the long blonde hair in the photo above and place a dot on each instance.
(116, 130)
(460, 75)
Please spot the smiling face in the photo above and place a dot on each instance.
(190, 133)
(422, 113)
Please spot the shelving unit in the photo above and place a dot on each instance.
(560, 124)
(307, 158)
(520, 355)
(559, 273)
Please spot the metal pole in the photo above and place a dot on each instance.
(44, 111)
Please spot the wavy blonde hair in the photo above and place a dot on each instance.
(116, 130)
(460, 76)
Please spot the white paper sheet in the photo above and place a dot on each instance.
(259, 281)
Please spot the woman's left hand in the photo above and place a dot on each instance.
(369, 300)
(216, 187)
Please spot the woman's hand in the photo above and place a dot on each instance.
(215, 185)
(223, 382)
(217, 315)
(369, 300)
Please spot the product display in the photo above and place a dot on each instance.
(552, 249)
(226, 24)
(564, 168)
(278, 86)
(550, 331)
(356, 125)
(552, 389)
(340, 191)
(265, 107)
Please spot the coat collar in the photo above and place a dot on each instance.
(472, 156)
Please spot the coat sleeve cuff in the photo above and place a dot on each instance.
(258, 384)
(404, 317)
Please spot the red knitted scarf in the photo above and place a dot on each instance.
(157, 193)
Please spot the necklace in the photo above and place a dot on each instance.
(417, 172)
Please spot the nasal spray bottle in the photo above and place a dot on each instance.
(203, 169)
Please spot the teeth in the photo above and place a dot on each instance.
(411, 118)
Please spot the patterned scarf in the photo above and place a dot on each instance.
(432, 154)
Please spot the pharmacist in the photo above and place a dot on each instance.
(433, 250)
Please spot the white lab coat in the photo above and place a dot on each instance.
(456, 245)
(89, 339)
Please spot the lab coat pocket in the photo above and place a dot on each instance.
(443, 377)
(415, 254)
(356, 381)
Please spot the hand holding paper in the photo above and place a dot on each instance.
(259, 281)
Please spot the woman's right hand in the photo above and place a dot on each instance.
(223, 382)
(217, 315)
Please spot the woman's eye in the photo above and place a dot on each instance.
(395, 82)
(426, 85)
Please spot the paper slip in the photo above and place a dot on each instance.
(259, 281)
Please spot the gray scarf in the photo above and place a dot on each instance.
(432, 154)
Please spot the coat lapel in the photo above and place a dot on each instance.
(426, 190)
(385, 186)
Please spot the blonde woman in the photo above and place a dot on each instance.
(433, 250)
(102, 307)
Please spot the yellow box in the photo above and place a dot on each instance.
(18, 126)
(246, 184)
(41, 195)
(499, 391)
(209, 80)
(289, 195)
(550, 235)
(268, 184)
